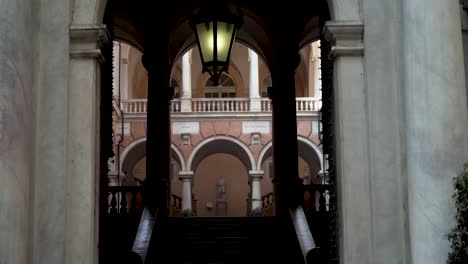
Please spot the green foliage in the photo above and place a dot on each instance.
(187, 213)
(458, 236)
(257, 212)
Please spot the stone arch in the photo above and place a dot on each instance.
(177, 155)
(137, 150)
(303, 148)
(221, 144)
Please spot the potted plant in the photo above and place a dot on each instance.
(187, 213)
(257, 212)
(458, 236)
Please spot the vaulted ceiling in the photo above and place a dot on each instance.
(265, 25)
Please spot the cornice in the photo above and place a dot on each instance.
(86, 41)
(346, 37)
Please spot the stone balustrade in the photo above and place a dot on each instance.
(200, 105)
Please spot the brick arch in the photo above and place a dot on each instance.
(221, 144)
(137, 150)
(305, 146)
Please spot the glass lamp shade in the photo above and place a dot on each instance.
(215, 38)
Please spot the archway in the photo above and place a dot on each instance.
(221, 168)
(256, 39)
(307, 150)
(135, 152)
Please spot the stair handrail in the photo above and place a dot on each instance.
(303, 233)
(145, 230)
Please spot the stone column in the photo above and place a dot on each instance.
(83, 144)
(316, 66)
(436, 122)
(253, 82)
(116, 69)
(352, 141)
(123, 69)
(282, 94)
(255, 179)
(158, 144)
(186, 178)
(186, 93)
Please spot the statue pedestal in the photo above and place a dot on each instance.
(221, 208)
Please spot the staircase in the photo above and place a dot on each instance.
(210, 240)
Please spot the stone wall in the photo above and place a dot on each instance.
(18, 56)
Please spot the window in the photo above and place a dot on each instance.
(265, 84)
(225, 89)
(175, 85)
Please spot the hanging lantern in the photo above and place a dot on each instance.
(215, 32)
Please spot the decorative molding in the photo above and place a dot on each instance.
(346, 38)
(256, 138)
(185, 175)
(256, 174)
(86, 41)
(186, 139)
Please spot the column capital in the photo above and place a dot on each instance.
(346, 37)
(251, 53)
(86, 41)
(185, 175)
(256, 175)
(189, 55)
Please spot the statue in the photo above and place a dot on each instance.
(221, 191)
(221, 203)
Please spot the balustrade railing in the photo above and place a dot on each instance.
(267, 204)
(124, 211)
(220, 104)
(315, 198)
(174, 105)
(265, 105)
(176, 205)
(124, 200)
(203, 105)
(307, 104)
(316, 210)
(134, 105)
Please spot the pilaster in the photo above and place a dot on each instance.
(82, 213)
(352, 140)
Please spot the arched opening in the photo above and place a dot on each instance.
(309, 165)
(221, 168)
(191, 128)
(133, 160)
(225, 89)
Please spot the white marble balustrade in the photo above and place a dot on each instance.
(135, 106)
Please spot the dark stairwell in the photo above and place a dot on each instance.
(224, 240)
